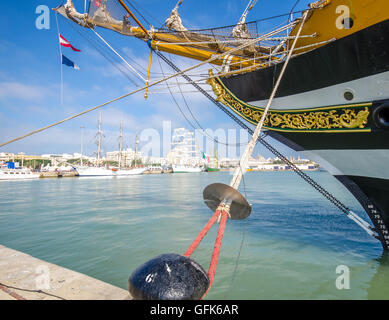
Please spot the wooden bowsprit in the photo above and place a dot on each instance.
(178, 277)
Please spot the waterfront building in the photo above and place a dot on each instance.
(127, 156)
(5, 157)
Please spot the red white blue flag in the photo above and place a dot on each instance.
(63, 42)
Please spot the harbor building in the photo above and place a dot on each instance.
(128, 156)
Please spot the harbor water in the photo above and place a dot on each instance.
(290, 247)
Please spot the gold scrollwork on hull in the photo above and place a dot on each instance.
(332, 118)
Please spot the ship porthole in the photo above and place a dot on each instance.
(348, 23)
(348, 95)
(381, 116)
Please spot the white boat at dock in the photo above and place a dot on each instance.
(95, 172)
(18, 174)
(106, 172)
(186, 169)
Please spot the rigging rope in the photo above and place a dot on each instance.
(174, 99)
(234, 40)
(203, 131)
(182, 112)
(228, 291)
(60, 57)
(291, 11)
(114, 51)
(100, 49)
(325, 193)
(145, 11)
(141, 89)
(246, 156)
(342, 207)
(224, 208)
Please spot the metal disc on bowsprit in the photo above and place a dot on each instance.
(169, 277)
(215, 193)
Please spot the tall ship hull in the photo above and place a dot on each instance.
(95, 172)
(186, 169)
(332, 106)
(129, 172)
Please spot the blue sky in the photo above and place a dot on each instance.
(30, 76)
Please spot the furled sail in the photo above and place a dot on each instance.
(174, 22)
(100, 14)
(241, 30)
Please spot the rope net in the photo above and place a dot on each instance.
(111, 15)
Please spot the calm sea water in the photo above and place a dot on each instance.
(106, 227)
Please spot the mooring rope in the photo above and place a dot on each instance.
(6, 288)
(240, 247)
(216, 250)
(222, 213)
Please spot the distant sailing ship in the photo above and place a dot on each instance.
(213, 166)
(333, 101)
(123, 171)
(97, 170)
(184, 155)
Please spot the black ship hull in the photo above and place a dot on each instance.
(347, 72)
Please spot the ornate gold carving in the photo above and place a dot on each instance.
(340, 118)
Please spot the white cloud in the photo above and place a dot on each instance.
(17, 90)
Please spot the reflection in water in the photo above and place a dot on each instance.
(379, 284)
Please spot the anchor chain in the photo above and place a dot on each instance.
(325, 193)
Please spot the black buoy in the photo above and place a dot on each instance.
(169, 277)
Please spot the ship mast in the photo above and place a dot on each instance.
(133, 17)
(120, 143)
(136, 149)
(82, 138)
(99, 139)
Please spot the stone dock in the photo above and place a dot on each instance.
(23, 277)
